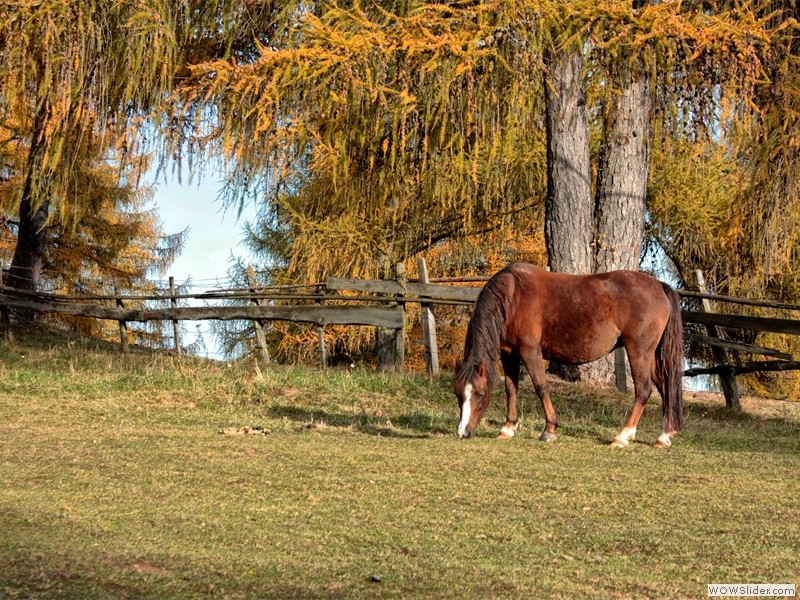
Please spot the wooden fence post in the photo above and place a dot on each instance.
(384, 338)
(391, 342)
(174, 303)
(261, 339)
(428, 325)
(323, 354)
(400, 334)
(123, 325)
(727, 380)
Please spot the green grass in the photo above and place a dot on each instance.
(116, 483)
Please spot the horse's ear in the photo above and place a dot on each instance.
(482, 371)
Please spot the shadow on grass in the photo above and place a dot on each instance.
(409, 426)
(590, 413)
(734, 431)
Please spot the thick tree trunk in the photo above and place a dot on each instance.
(585, 234)
(568, 227)
(568, 221)
(26, 265)
(622, 190)
(622, 186)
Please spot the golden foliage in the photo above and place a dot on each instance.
(394, 126)
(387, 131)
(97, 72)
(727, 200)
(67, 69)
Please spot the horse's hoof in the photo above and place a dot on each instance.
(547, 437)
(663, 441)
(507, 432)
(619, 444)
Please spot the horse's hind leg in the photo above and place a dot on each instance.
(643, 387)
(532, 357)
(511, 369)
(665, 439)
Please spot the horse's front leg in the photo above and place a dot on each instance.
(532, 357)
(510, 362)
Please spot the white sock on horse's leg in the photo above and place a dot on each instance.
(624, 437)
(508, 431)
(664, 440)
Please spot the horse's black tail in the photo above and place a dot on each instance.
(669, 364)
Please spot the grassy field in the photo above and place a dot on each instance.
(115, 482)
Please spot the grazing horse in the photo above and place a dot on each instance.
(529, 314)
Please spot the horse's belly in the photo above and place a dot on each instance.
(579, 349)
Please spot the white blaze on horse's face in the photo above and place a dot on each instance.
(466, 411)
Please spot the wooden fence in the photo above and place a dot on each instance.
(381, 304)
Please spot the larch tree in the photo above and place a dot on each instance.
(69, 73)
(78, 77)
(116, 244)
(399, 125)
(645, 63)
(569, 210)
(728, 202)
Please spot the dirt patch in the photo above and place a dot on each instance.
(146, 567)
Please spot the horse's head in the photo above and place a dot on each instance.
(473, 394)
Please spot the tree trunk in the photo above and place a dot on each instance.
(623, 173)
(568, 225)
(568, 221)
(26, 265)
(622, 190)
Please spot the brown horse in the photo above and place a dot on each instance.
(529, 314)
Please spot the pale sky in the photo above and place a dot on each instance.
(214, 234)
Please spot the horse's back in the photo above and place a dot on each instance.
(579, 318)
(586, 293)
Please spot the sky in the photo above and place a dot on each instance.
(214, 235)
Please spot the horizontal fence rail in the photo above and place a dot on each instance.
(742, 368)
(321, 315)
(707, 340)
(380, 303)
(429, 291)
(761, 324)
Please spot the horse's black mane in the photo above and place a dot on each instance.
(487, 327)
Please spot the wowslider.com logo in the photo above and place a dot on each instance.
(751, 590)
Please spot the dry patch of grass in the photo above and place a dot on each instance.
(116, 483)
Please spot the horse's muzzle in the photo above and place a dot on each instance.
(466, 435)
